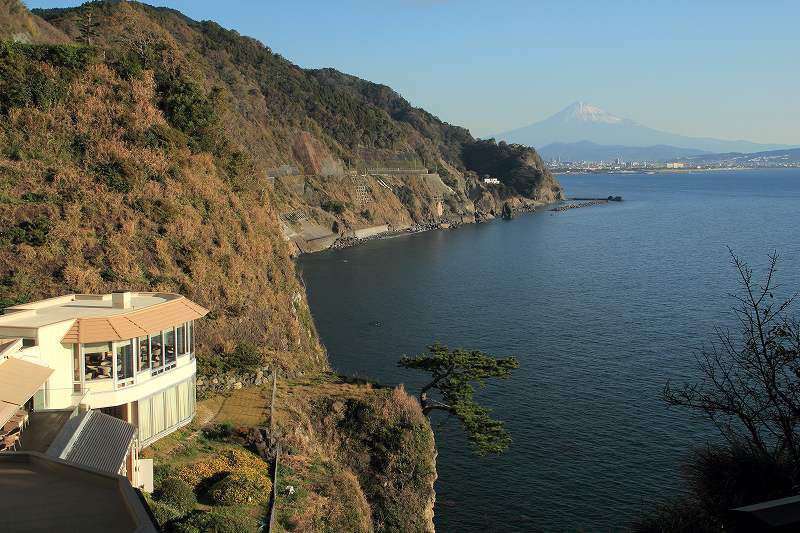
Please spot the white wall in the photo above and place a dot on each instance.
(58, 357)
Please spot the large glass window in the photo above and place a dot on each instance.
(144, 353)
(77, 369)
(76, 363)
(169, 346)
(191, 337)
(156, 351)
(181, 339)
(125, 360)
(166, 410)
(98, 360)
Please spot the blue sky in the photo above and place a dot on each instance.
(727, 69)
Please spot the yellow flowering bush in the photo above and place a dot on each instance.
(227, 461)
(247, 486)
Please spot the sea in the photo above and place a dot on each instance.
(601, 305)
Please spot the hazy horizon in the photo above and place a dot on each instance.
(716, 69)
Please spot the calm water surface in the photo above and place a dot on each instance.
(601, 305)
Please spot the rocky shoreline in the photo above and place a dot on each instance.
(350, 241)
(480, 218)
(509, 212)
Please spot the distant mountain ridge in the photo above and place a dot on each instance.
(776, 157)
(589, 151)
(583, 122)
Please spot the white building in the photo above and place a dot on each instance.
(129, 355)
(491, 181)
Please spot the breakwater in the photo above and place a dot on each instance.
(586, 202)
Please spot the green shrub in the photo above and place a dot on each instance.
(15, 289)
(725, 477)
(245, 357)
(34, 197)
(210, 364)
(333, 206)
(117, 175)
(246, 486)
(176, 493)
(162, 471)
(163, 512)
(406, 196)
(222, 431)
(126, 63)
(162, 136)
(188, 108)
(33, 232)
(218, 520)
(24, 83)
(71, 57)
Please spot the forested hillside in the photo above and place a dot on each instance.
(288, 120)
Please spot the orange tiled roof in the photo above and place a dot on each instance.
(136, 323)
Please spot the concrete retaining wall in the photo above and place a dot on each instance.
(363, 233)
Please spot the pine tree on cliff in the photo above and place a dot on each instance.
(455, 374)
(88, 24)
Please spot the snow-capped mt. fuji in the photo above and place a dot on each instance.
(582, 111)
(587, 122)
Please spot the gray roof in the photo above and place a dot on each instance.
(776, 514)
(40, 493)
(93, 439)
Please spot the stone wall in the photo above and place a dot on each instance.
(220, 383)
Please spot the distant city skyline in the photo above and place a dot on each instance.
(722, 69)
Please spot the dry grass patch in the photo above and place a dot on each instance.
(243, 407)
(296, 395)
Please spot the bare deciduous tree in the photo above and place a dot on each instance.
(751, 376)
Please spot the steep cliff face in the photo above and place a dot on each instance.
(362, 444)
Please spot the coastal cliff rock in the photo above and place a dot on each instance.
(377, 438)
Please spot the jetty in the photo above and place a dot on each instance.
(585, 202)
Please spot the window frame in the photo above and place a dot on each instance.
(85, 366)
(139, 367)
(181, 347)
(160, 368)
(129, 380)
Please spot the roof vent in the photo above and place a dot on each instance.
(121, 300)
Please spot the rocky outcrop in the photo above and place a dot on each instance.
(507, 212)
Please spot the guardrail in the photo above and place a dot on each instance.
(274, 496)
